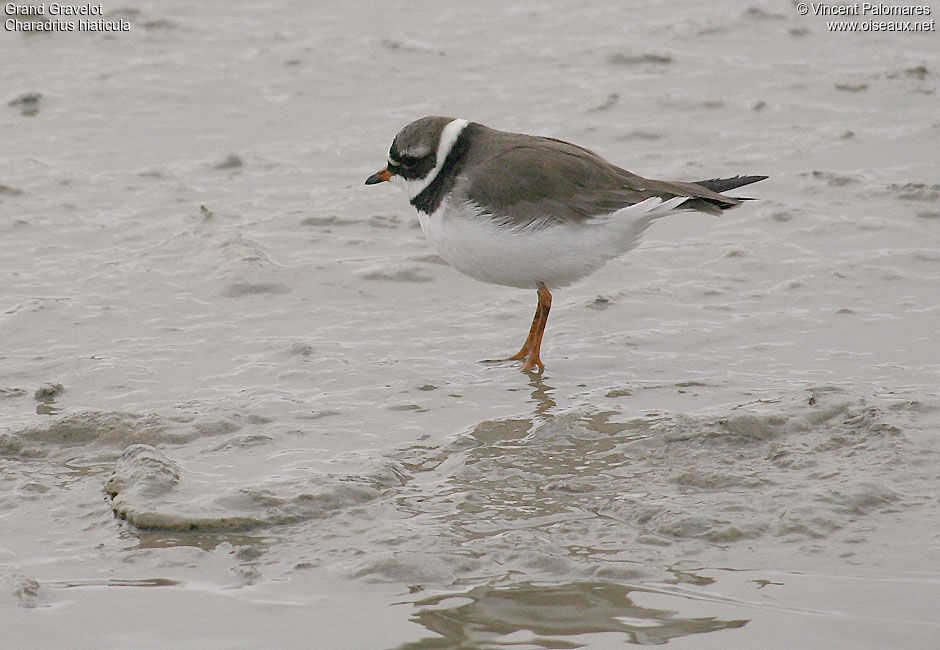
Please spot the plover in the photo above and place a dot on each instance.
(530, 211)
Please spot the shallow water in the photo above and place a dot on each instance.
(240, 398)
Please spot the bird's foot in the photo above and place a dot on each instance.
(530, 362)
(533, 365)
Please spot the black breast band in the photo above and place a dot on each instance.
(429, 199)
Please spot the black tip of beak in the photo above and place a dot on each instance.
(379, 177)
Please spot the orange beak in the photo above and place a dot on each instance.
(379, 177)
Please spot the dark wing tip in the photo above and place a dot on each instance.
(724, 184)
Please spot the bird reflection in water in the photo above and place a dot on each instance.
(551, 616)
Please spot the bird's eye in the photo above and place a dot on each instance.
(408, 165)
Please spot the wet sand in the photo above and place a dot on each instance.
(241, 403)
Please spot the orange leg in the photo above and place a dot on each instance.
(529, 354)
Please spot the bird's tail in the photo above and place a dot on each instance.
(632, 220)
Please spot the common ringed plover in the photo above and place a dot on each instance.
(529, 211)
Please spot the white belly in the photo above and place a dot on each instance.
(552, 252)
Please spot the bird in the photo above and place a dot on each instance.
(530, 211)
